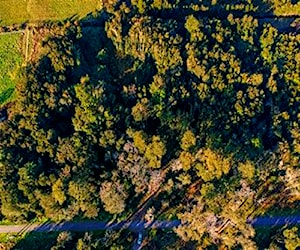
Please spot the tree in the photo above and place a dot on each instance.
(58, 192)
(188, 140)
(292, 182)
(211, 165)
(226, 226)
(154, 152)
(85, 199)
(291, 238)
(193, 26)
(140, 4)
(113, 196)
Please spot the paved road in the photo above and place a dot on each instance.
(133, 226)
(276, 220)
(87, 226)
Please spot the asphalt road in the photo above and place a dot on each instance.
(136, 226)
(88, 226)
(276, 220)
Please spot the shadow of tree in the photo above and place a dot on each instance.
(5, 95)
(37, 241)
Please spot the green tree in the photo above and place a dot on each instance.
(85, 199)
(188, 140)
(58, 192)
(291, 238)
(113, 196)
(154, 152)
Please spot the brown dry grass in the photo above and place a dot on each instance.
(18, 11)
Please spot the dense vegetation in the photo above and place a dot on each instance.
(162, 98)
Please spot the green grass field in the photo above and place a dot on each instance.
(18, 11)
(10, 62)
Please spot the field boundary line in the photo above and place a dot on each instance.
(26, 45)
(12, 32)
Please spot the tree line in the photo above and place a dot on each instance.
(206, 109)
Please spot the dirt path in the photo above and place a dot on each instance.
(12, 32)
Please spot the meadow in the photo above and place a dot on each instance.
(10, 63)
(19, 11)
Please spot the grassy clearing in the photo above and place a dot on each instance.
(10, 63)
(13, 11)
(18, 11)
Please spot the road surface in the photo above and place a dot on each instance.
(276, 220)
(133, 225)
(88, 226)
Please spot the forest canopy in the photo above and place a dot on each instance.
(159, 96)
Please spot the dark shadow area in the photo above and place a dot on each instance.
(37, 241)
(5, 95)
(68, 234)
(265, 235)
(160, 239)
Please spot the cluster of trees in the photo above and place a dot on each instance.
(206, 110)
